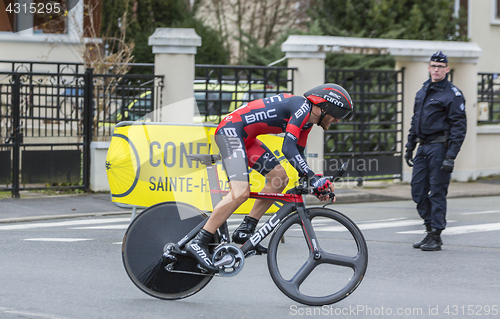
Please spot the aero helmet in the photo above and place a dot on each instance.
(332, 99)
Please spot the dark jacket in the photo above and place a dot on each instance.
(439, 110)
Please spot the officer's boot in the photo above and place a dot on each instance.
(428, 229)
(245, 231)
(434, 243)
(198, 249)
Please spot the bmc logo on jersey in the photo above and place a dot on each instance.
(260, 116)
(302, 163)
(304, 108)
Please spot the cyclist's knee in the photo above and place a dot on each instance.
(240, 191)
(278, 178)
(242, 196)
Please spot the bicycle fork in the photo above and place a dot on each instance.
(309, 233)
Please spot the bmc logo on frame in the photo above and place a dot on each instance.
(264, 230)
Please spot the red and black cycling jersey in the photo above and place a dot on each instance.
(273, 115)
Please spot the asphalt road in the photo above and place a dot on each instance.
(72, 268)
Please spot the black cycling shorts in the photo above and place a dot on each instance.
(239, 154)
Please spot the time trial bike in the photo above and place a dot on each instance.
(316, 255)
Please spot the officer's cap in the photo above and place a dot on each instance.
(439, 57)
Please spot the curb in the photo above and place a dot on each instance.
(66, 216)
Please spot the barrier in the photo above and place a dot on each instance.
(147, 164)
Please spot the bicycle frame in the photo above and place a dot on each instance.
(290, 203)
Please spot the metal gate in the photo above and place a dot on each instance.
(45, 121)
(48, 120)
(488, 98)
(370, 139)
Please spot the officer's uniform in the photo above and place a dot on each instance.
(439, 126)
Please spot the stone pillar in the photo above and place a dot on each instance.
(415, 74)
(98, 174)
(465, 78)
(310, 73)
(174, 51)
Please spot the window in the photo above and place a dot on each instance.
(50, 23)
(92, 18)
(6, 18)
(44, 16)
(495, 12)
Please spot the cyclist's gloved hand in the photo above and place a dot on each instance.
(448, 165)
(321, 186)
(409, 157)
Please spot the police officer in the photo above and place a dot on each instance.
(438, 125)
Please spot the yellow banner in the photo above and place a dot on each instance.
(147, 164)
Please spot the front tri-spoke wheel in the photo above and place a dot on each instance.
(318, 279)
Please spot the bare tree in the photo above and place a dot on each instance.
(263, 20)
(107, 54)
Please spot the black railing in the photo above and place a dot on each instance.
(42, 67)
(220, 89)
(488, 98)
(128, 97)
(370, 139)
(40, 146)
(50, 113)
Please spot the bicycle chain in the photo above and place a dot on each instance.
(189, 272)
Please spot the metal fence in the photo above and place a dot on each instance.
(128, 97)
(40, 146)
(52, 98)
(370, 139)
(488, 98)
(50, 113)
(220, 89)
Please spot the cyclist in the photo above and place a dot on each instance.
(236, 137)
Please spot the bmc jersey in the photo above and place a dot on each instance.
(272, 115)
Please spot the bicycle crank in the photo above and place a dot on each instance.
(229, 259)
(170, 268)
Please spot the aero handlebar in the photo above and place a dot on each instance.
(303, 188)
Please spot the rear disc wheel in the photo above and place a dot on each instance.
(144, 244)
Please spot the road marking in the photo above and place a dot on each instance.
(391, 224)
(485, 212)
(65, 223)
(371, 225)
(231, 226)
(103, 227)
(458, 230)
(28, 314)
(69, 240)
